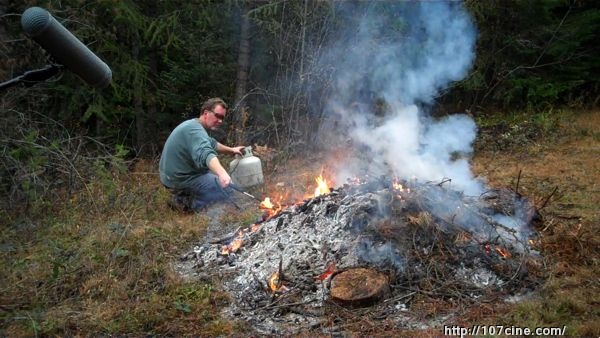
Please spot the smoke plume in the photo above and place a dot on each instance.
(390, 60)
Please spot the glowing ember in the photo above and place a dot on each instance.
(330, 270)
(503, 252)
(487, 249)
(322, 187)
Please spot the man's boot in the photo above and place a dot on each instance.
(179, 202)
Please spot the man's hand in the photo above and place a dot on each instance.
(237, 150)
(224, 180)
(223, 149)
(215, 166)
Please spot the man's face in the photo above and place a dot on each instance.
(215, 117)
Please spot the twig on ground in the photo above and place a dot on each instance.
(518, 181)
(548, 198)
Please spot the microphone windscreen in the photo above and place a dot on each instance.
(41, 26)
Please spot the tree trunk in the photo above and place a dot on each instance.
(243, 57)
(5, 69)
(138, 106)
(240, 117)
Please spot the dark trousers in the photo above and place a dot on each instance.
(200, 192)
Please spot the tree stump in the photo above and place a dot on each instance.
(359, 287)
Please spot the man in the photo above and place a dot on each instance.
(189, 166)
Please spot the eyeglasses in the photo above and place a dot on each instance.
(218, 116)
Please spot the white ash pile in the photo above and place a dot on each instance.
(424, 238)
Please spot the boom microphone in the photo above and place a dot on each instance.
(39, 25)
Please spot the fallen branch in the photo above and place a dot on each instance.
(518, 181)
(548, 198)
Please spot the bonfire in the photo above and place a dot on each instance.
(376, 247)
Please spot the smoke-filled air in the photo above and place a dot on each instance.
(390, 61)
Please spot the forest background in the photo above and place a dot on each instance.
(69, 150)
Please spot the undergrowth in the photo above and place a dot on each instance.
(506, 131)
(102, 264)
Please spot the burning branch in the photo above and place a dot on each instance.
(276, 280)
(271, 209)
(232, 247)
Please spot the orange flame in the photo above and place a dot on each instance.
(238, 241)
(274, 281)
(396, 185)
(322, 187)
(266, 204)
(275, 284)
(270, 208)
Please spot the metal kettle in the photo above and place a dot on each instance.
(246, 171)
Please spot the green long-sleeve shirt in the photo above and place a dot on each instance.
(186, 154)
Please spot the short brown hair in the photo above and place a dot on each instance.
(211, 103)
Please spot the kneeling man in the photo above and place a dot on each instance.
(189, 166)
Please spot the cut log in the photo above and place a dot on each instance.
(359, 287)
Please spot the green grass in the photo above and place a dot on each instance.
(101, 263)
